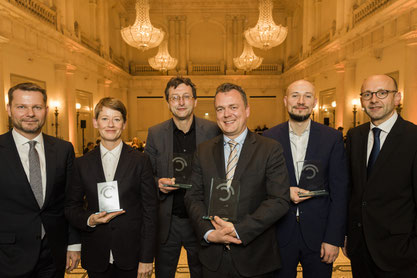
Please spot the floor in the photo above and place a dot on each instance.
(341, 269)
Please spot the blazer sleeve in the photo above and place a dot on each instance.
(73, 234)
(150, 203)
(277, 200)
(338, 189)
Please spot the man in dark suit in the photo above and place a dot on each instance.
(35, 237)
(247, 247)
(181, 134)
(314, 228)
(119, 243)
(382, 221)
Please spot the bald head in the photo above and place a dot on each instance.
(300, 85)
(380, 81)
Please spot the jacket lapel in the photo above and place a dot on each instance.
(246, 154)
(123, 164)
(218, 154)
(50, 160)
(168, 141)
(363, 147)
(97, 165)
(284, 138)
(313, 141)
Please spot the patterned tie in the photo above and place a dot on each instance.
(375, 149)
(35, 177)
(231, 162)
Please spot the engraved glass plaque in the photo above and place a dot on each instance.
(311, 178)
(182, 165)
(108, 196)
(224, 199)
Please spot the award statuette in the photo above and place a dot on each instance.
(108, 196)
(181, 164)
(224, 199)
(311, 178)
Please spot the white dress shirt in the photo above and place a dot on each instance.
(385, 128)
(110, 160)
(22, 146)
(299, 148)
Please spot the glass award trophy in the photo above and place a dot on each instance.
(108, 196)
(224, 199)
(182, 165)
(310, 175)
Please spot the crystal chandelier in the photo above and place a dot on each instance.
(248, 60)
(142, 34)
(266, 34)
(163, 61)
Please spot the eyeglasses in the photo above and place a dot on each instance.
(177, 98)
(381, 94)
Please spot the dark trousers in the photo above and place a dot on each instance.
(363, 266)
(181, 234)
(228, 270)
(45, 267)
(297, 251)
(114, 272)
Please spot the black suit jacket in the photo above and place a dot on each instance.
(264, 198)
(383, 205)
(20, 231)
(322, 219)
(159, 146)
(132, 235)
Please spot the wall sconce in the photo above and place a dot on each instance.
(355, 102)
(315, 110)
(399, 107)
(78, 107)
(56, 105)
(334, 113)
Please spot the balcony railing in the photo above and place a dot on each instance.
(368, 8)
(38, 9)
(268, 69)
(93, 45)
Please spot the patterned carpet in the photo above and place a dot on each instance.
(341, 269)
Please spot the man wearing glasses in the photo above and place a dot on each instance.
(382, 240)
(168, 142)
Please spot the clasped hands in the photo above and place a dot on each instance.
(224, 232)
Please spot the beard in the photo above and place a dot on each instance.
(34, 129)
(299, 118)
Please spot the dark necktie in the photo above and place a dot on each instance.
(375, 149)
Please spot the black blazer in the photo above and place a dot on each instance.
(20, 231)
(384, 205)
(159, 147)
(132, 235)
(322, 219)
(264, 198)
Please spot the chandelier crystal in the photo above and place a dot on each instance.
(142, 34)
(266, 34)
(248, 60)
(163, 61)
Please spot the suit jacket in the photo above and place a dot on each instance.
(322, 219)
(159, 146)
(264, 198)
(20, 231)
(132, 235)
(383, 205)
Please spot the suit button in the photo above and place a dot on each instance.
(364, 203)
(359, 225)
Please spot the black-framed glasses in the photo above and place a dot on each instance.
(177, 98)
(381, 94)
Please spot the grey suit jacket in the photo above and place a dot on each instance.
(159, 147)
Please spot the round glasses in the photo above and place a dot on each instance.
(381, 94)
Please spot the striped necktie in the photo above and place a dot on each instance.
(231, 162)
(35, 176)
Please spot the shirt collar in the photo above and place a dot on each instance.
(240, 139)
(115, 152)
(307, 130)
(388, 124)
(19, 139)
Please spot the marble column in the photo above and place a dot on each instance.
(350, 93)
(4, 123)
(183, 45)
(340, 94)
(289, 39)
(93, 19)
(410, 81)
(70, 19)
(340, 15)
(229, 45)
(317, 18)
(172, 44)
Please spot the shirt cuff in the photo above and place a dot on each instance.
(74, 247)
(237, 235)
(206, 235)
